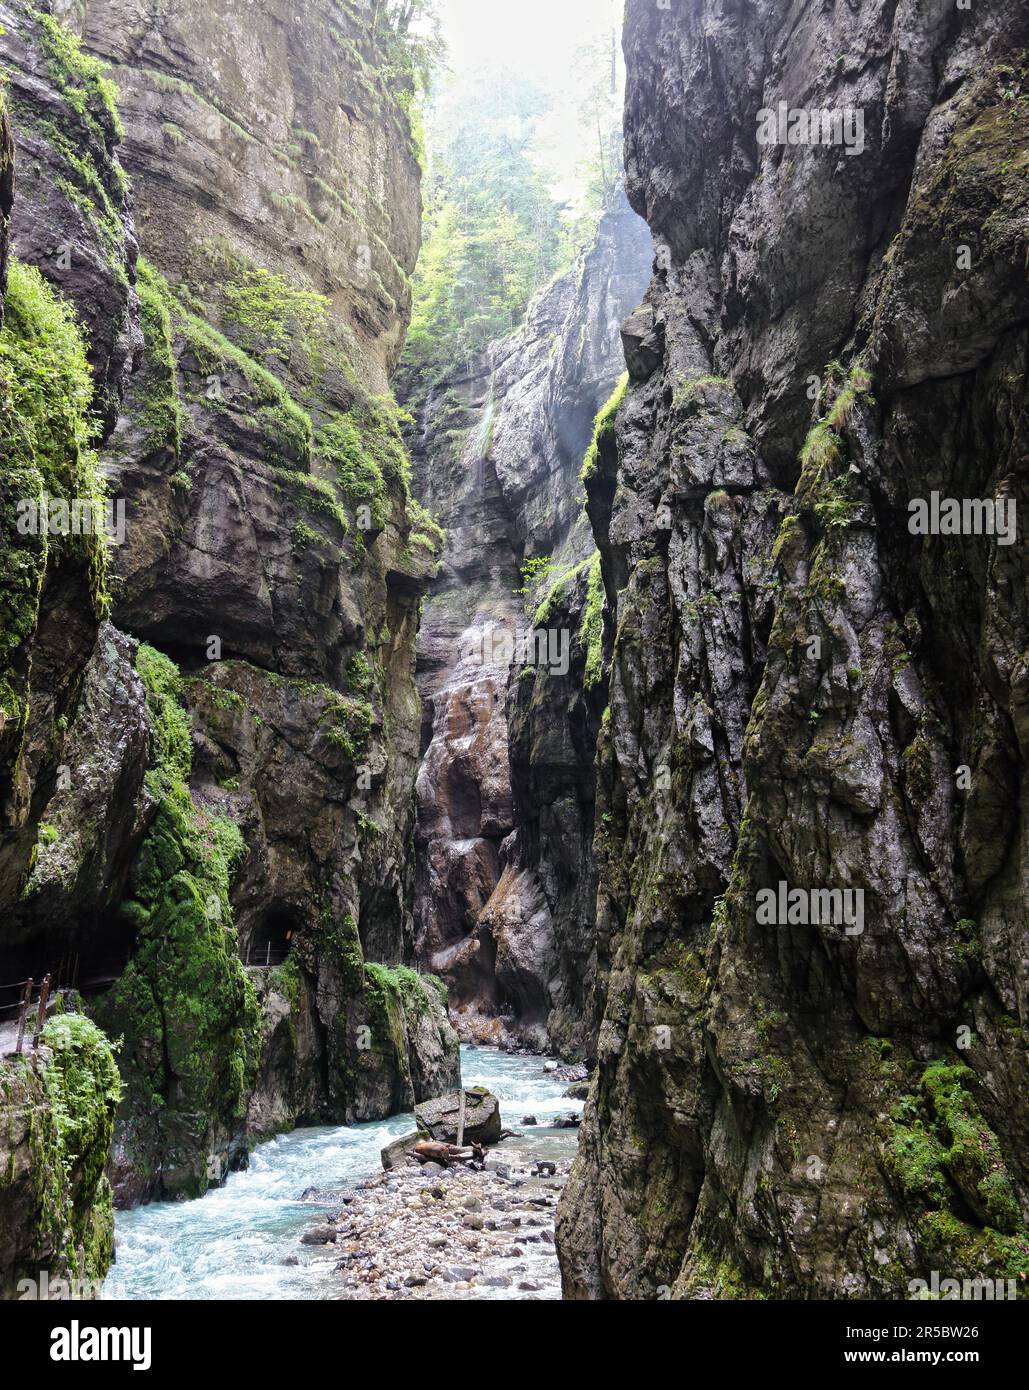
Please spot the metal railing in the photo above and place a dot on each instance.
(30, 1010)
(22, 1001)
(265, 957)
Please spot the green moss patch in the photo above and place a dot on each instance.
(80, 77)
(70, 1094)
(941, 1153)
(604, 426)
(185, 1007)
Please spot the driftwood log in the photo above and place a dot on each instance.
(429, 1151)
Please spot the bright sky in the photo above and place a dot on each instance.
(537, 39)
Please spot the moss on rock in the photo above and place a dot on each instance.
(57, 1111)
(185, 1007)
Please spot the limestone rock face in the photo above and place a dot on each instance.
(497, 458)
(71, 214)
(241, 353)
(785, 1105)
(56, 1219)
(271, 129)
(96, 823)
(59, 136)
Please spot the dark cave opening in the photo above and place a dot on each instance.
(88, 958)
(272, 938)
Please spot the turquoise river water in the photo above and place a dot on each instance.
(230, 1244)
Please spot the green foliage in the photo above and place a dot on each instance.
(359, 674)
(161, 415)
(492, 234)
(70, 1141)
(170, 725)
(591, 632)
(395, 998)
(270, 312)
(822, 454)
(939, 1138)
(599, 104)
(350, 725)
(343, 446)
(80, 76)
(693, 392)
(270, 405)
(314, 495)
(303, 536)
(425, 529)
(47, 432)
(286, 424)
(410, 43)
(91, 179)
(857, 385)
(604, 426)
(361, 449)
(973, 1155)
(835, 509)
(84, 1088)
(534, 571)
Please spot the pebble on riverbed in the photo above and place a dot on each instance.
(409, 1234)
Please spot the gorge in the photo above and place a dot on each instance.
(286, 818)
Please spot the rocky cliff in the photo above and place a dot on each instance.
(57, 1110)
(505, 792)
(214, 769)
(807, 692)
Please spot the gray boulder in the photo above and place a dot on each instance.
(481, 1122)
(397, 1154)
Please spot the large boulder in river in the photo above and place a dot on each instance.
(401, 1151)
(481, 1117)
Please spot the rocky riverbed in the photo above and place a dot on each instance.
(429, 1233)
(246, 1239)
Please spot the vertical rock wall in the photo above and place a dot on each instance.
(225, 776)
(505, 792)
(786, 1108)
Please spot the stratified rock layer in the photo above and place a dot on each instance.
(233, 782)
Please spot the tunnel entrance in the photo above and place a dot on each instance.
(86, 958)
(272, 938)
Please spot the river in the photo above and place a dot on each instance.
(231, 1243)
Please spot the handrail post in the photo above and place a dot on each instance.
(44, 996)
(23, 1013)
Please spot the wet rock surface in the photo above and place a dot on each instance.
(765, 1091)
(505, 792)
(441, 1117)
(292, 627)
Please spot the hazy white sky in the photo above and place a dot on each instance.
(535, 37)
(538, 39)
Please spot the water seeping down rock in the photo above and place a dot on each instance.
(791, 1110)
